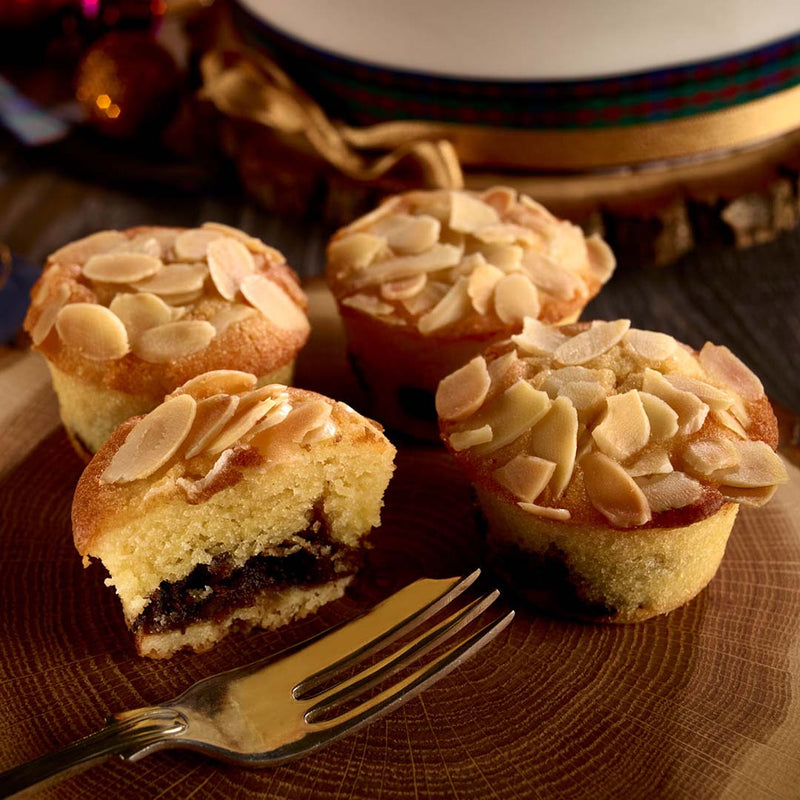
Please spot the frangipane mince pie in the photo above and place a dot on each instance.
(609, 462)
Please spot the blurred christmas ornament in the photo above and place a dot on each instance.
(127, 84)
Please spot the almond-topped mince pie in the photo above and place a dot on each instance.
(230, 506)
(428, 279)
(124, 317)
(609, 462)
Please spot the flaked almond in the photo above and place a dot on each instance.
(449, 310)
(217, 381)
(500, 198)
(663, 418)
(174, 279)
(549, 276)
(463, 440)
(229, 263)
(383, 210)
(713, 397)
(482, 282)
(356, 251)
(515, 298)
(724, 367)
(759, 465)
(625, 427)
(589, 344)
(462, 393)
(274, 303)
(247, 415)
(536, 212)
(305, 418)
(690, 409)
(368, 304)
(674, 490)
(213, 414)
(601, 258)
(440, 256)
(588, 397)
(153, 441)
(501, 365)
(704, 457)
(469, 213)
(561, 514)
(422, 302)
(50, 311)
(405, 233)
(183, 299)
(650, 345)
(507, 257)
(80, 251)
(508, 233)
(140, 312)
(537, 338)
(174, 340)
(405, 288)
(727, 420)
(274, 416)
(233, 315)
(754, 497)
(121, 267)
(145, 243)
(613, 492)
(740, 412)
(93, 330)
(191, 245)
(565, 375)
(321, 433)
(555, 438)
(653, 462)
(512, 414)
(525, 476)
(252, 243)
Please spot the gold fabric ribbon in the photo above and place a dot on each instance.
(247, 85)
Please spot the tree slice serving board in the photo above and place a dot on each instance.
(702, 703)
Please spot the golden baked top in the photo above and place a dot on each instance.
(143, 310)
(456, 263)
(603, 423)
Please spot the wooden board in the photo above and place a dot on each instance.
(703, 703)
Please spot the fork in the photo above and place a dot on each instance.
(262, 714)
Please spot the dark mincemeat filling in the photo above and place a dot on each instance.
(212, 591)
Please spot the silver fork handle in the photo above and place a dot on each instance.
(126, 735)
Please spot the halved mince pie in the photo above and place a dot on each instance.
(428, 279)
(609, 462)
(124, 317)
(230, 506)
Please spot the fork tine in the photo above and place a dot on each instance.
(407, 654)
(411, 685)
(390, 619)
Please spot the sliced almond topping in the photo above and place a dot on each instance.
(227, 317)
(674, 490)
(755, 497)
(174, 340)
(500, 366)
(589, 344)
(431, 294)
(500, 198)
(450, 309)
(706, 456)
(440, 256)
(462, 393)
(275, 416)
(405, 233)
(551, 277)
(555, 438)
(463, 440)
(469, 214)
(153, 441)
(663, 419)
(174, 279)
(49, 313)
(561, 514)
(93, 330)
(507, 257)
(383, 210)
(625, 427)
(654, 462)
(601, 258)
(229, 263)
(525, 476)
(481, 286)
(559, 378)
(81, 250)
(248, 413)
(139, 312)
(252, 243)
(714, 398)
(537, 338)
(405, 288)
(508, 233)
(650, 345)
(723, 366)
(356, 251)
(305, 418)
(739, 411)
(536, 210)
(274, 303)
(369, 304)
(613, 492)
(146, 243)
(512, 414)
(217, 381)
(191, 245)
(121, 267)
(759, 465)
(213, 414)
(690, 409)
(515, 298)
(320, 433)
(587, 397)
(182, 299)
(727, 420)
